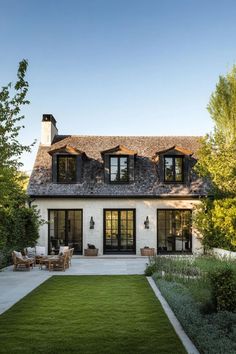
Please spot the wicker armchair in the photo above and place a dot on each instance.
(59, 263)
(20, 262)
(71, 251)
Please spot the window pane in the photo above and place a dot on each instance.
(174, 230)
(119, 169)
(169, 169)
(66, 169)
(123, 161)
(71, 169)
(114, 161)
(178, 169)
(61, 163)
(114, 177)
(114, 169)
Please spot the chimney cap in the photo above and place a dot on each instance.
(49, 118)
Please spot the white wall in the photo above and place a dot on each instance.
(94, 207)
(221, 253)
(48, 131)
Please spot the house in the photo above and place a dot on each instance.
(120, 193)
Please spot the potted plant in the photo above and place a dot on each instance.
(147, 251)
(91, 250)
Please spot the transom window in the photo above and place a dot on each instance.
(119, 169)
(174, 171)
(66, 169)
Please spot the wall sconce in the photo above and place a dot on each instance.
(91, 223)
(146, 223)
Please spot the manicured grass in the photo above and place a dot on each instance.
(89, 314)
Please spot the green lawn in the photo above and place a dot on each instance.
(89, 314)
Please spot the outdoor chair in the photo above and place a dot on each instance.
(71, 251)
(40, 252)
(59, 263)
(20, 262)
(30, 252)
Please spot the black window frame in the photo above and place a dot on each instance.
(67, 227)
(58, 174)
(119, 249)
(174, 169)
(119, 157)
(190, 250)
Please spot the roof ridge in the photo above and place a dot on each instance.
(132, 136)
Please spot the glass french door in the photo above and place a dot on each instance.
(65, 229)
(119, 230)
(174, 230)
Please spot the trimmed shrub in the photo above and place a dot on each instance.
(150, 270)
(223, 284)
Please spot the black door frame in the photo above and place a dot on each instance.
(191, 236)
(104, 231)
(66, 225)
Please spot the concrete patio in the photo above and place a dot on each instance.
(15, 285)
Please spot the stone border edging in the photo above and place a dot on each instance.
(186, 341)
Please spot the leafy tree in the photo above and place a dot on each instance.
(217, 162)
(18, 224)
(10, 118)
(222, 106)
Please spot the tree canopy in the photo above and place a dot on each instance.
(217, 161)
(18, 223)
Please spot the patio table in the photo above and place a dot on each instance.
(45, 261)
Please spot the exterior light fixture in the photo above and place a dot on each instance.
(146, 223)
(91, 223)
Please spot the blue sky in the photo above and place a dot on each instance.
(118, 67)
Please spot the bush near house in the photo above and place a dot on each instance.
(201, 292)
(19, 228)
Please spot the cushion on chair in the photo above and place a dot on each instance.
(18, 254)
(40, 251)
(30, 251)
(63, 249)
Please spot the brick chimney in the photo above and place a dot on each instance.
(49, 129)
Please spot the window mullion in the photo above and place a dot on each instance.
(66, 168)
(118, 167)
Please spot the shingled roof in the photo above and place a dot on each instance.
(146, 182)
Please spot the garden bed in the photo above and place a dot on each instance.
(186, 286)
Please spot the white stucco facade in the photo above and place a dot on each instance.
(94, 207)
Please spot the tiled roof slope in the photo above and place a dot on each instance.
(146, 182)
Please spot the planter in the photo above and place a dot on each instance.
(91, 252)
(147, 252)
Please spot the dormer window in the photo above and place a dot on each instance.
(119, 165)
(119, 172)
(66, 169)
(173, 169)
(174, 164)
(67, 164)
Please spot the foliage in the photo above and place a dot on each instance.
(150, 269)
(222, 105)
(216, 221)
(19, 228)
(211, 333)
(217, 162)
(18, 224)
(10, 118)
(183, 266)
(195, 274)
(89, 314)
(223, 284)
